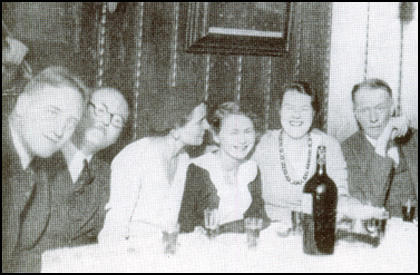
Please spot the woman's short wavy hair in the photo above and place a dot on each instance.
(175, 108)
(232, 108)
(303, 88)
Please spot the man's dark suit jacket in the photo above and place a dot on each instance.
(21, 191)
(77, 209)
(369, 173)
(80, 210)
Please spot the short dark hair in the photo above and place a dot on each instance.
(57, 76)
(232, 108)
(303, 88)
(371, 83)
(175, 108)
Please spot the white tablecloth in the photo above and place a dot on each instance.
(398, 252)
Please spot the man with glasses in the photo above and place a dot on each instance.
(42, 121)
(80, 184)
(382, 158)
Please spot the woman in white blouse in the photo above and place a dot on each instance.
(287, 156)
(148, 176)
(225, 179)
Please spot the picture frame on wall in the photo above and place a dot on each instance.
(238, 28)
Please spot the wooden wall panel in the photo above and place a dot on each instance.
(166, 62)
(143, 67)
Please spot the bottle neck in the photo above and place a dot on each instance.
(321, 160)
(321, 169)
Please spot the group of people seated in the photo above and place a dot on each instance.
(57, 192)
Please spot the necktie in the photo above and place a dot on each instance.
(85, 176)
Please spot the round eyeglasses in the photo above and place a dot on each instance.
(101, 111)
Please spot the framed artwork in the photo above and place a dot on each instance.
(243, 28)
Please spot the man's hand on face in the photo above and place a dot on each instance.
(396, 127)
(400, 126)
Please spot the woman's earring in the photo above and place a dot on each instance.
(175, 134)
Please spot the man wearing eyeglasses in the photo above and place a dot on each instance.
(382, 158)
(80, 185)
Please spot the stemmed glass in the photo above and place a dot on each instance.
(211, 222)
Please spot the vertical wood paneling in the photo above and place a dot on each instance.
(266, 80)
(314, 52)
(76, 10)
(207, 76)
(222, 79)
(298, 33)
(138, 67)
(252, 88)
(174, 45)
(101, 46)
(238, 78)
(326, 69)
(366, 53)
(254, 81)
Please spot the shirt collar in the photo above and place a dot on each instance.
(76, 164)
(371, 140)
(24, 156)
(247, 171)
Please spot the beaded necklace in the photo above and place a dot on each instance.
(283, 162)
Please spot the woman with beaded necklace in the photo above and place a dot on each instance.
(287, 156)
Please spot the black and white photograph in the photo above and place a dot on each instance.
(209, 137)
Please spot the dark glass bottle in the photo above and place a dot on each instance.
(319, 210)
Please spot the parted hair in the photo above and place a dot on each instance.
(57, 76)
(175, 108)
(302, 87)
(371, 83)
(232, 108)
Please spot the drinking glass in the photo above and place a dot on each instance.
(408, 213)
(211, 222)
(375, 227)
(170, 237)
(297, 218)
(253, 226)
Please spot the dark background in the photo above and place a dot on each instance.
(67, 33)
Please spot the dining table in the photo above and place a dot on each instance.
(229, 252)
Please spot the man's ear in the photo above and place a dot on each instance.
(394, 109)
(174, 133)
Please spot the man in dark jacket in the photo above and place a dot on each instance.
(80, 180)
(44, 118)
(382, 158)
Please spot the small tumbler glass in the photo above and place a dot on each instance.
(408, 213)
(253, 226)
(170, 237)
(375, 228)
(297, 218)
(211, 222)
